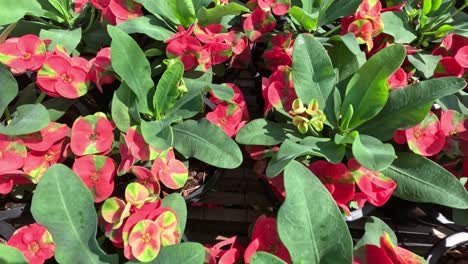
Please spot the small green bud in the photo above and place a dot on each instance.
(297, 107)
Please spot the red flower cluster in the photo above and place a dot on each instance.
(366, 23)
(114, 11)
(58, 74)
(454, 52)
(139, 224)
(218, 45)
(35, 242)
(340, 181)
(432, 136)
(26, 158)
(230, 115)
(278, 90)
(228, 251)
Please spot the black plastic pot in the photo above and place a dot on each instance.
(448, 243)
(198, 194)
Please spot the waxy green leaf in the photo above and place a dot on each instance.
(177, 203)
(372, 153)
(27, 119)
(148, 25)
(215, 15)
(397, 25)
(313, 75)
(130, 63)
(14, 10)
(422, 180)
(167, 88)
(367, 91)
(9, 88)
(261, 257)
(183, 10)
(408, 106)
(304, 220)
(11, 255)
(208, 143)
(72, 220)
(68, 38)
(182, 253)
(374, 230)
(265, 133)
(123, 104)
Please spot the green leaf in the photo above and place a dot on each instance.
(12, 10)
(188, 105)
(308, 21)
(72, 220)
(9, 88)
(367, 91)
(167, 89)
(57, 107)
(347, 56)
(313, 75)
(130, 63)
(68, 38)
(397, 25)
(155, 132)
(184, 11)
(148, 25)
(27, 119)
(422, 180)
(182, 253)
(161, 9)
(123, 105)
(177, 203)
(289, 150)
(215, 15)
(424, 63)
(372, 153)
(208, 143)
(457, 102)
(460, 216)
(11, 255)
(265, 133)
(406, 107)
(265, 258)
(374, 230)
(339, 8)
(308, 219)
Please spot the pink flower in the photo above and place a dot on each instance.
(118, 11)
(92, 134)
(278, 91)
(187, 48)
(37, 162)
(376, 187)
(336, 178)
(60, 77)
(258, 23)
(97, 173)
(398, 79)
(35, 242)
(265, 238)
(100, 72)
(227, 116)
(25, 53)
(427, 138)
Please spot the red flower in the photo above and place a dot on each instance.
(455, 127)
(139, 149)
(227, 116)
(448, 66)
(37, 162)
(258, 23)
(388, 253)
(92, 134)
(187, 48)
(146, 178)
(170, 171)
(12, 153)
(398, 79)
(44, 139)
(427, 138)
(126, 159)
(25, 53)
(60, 77)
(79, 4)
(214, 33)
(278, 7)
(214, 53)
(278, 91)
(117, 11)
(100, 71)
(450, 45)
(238, 99)
(376, 187)
(97, 173)
(227, 251)
(336, 178)
(8, 179)
(35, 242)
(265, 238)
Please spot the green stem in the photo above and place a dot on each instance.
(39, 19)
(7, 115)
(326, 34)
(91, 21)
(40, 98)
